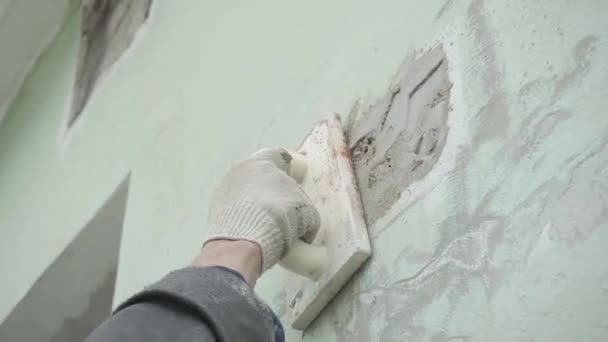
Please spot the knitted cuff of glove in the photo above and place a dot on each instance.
(243, 220)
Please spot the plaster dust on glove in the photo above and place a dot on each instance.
(321, 265)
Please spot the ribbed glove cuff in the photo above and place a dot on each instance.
(243, 220)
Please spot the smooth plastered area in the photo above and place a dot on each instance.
(486, 200)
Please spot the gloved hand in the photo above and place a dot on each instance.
(259, 202)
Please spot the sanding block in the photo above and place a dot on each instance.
(319, 266)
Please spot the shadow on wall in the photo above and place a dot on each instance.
(74, 294)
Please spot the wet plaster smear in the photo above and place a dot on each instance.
(478, 133)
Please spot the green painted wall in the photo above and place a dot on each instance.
(507, 245)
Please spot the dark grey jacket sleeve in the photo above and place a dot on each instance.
(192, 304)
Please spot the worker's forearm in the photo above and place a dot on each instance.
(242, 256)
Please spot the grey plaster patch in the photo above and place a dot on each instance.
(399, 139)
(108, 29)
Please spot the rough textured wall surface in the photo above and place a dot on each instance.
(490, 223)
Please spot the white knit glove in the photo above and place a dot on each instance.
(259, 202)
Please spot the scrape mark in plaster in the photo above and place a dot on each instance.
(547, 91)
(493, 117)
(581, 54)
(541, 97)
(528, 144)
(426, 78)
(446, 5)
(575, 220)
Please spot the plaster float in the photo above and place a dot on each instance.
(321, 265)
